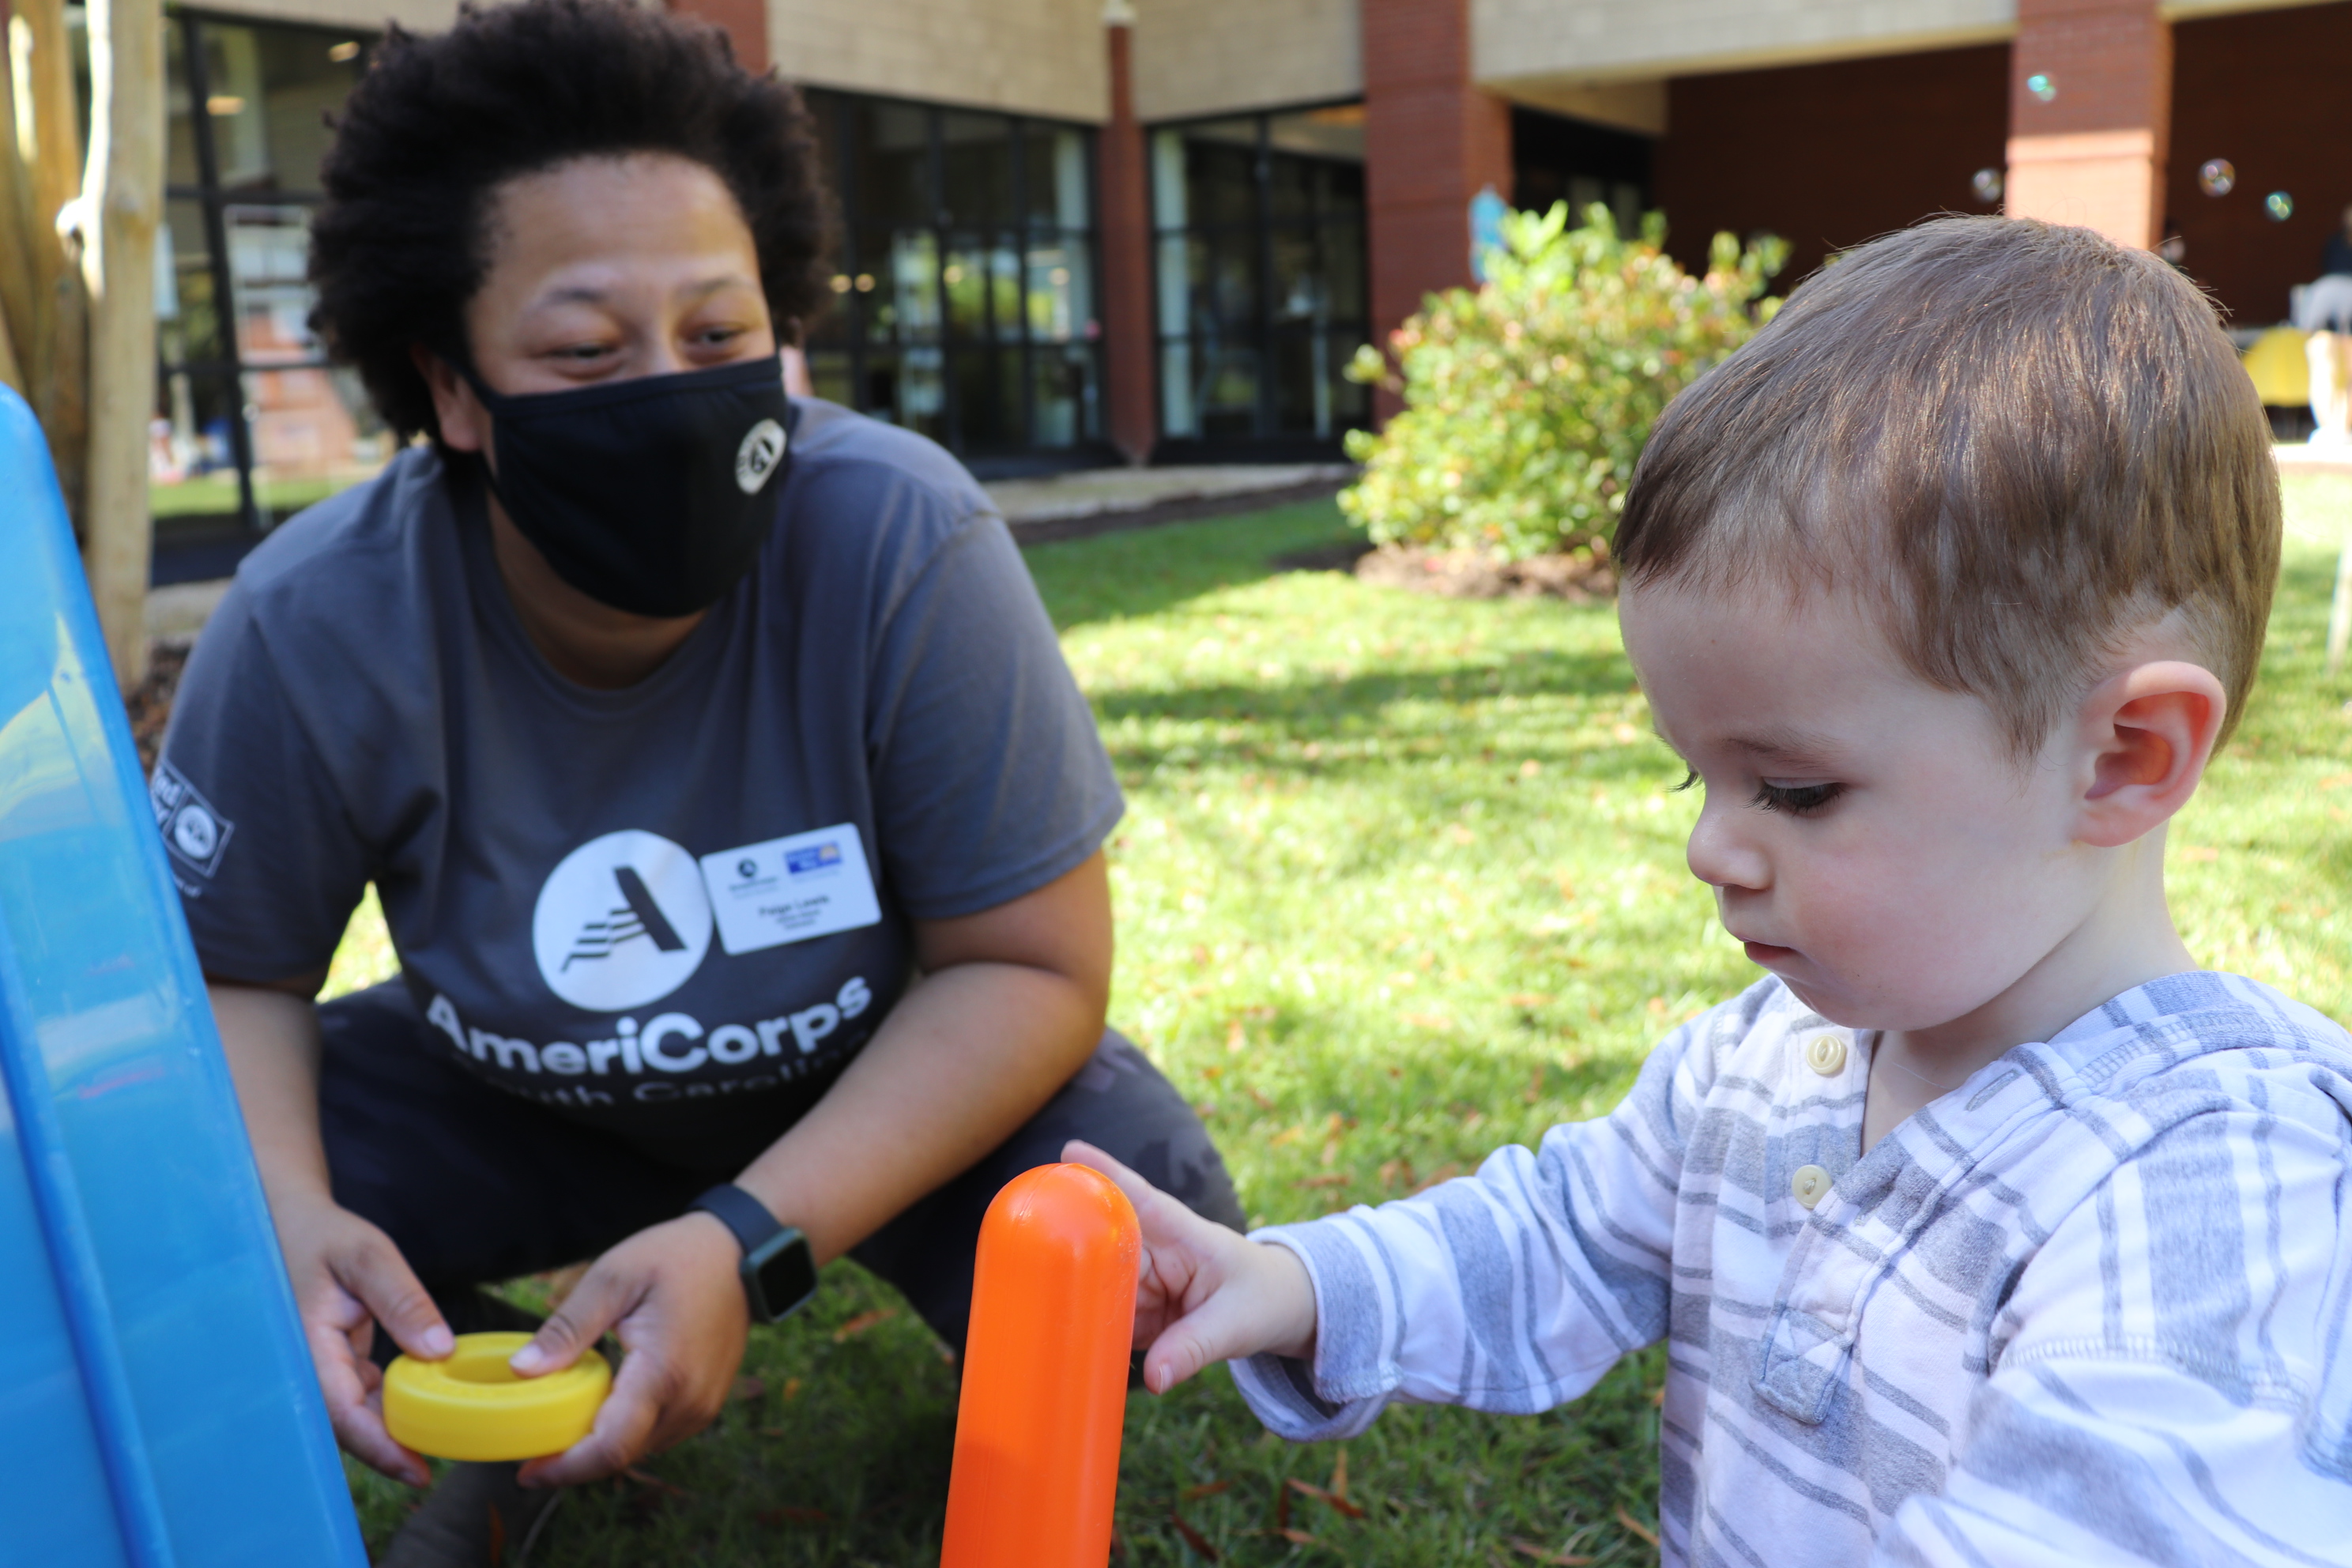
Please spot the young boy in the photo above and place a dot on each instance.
(1988, 1229)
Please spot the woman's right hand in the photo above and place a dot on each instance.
(348, 1280)
(348, 1277)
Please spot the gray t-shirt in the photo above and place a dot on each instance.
(675, 910)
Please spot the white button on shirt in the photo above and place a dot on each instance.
(1825, 1054)
(1809, 1184)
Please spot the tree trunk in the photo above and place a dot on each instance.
(52, 344)
(122, 200)
(17, 314)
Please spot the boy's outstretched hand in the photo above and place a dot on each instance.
(1202, 1293)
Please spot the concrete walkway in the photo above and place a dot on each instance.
(1061, 506)
(1094, 492)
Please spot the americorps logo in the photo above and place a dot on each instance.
(756, 458)
(622, 921)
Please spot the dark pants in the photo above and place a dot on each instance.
(474, 1184)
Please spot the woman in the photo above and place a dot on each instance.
(679, 726)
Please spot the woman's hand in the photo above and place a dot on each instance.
(348, 1278)
(1203, 1294)
(673, 1295)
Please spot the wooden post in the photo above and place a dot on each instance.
(122, 203)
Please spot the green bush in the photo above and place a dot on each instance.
(1528, 400)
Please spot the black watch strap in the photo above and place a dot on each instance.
(740, 1212)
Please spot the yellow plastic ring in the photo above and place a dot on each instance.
(473, 1407)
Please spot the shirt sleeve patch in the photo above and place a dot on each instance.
(194, 833)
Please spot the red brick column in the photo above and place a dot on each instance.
(745, 22)
(1124, 222)
(2093, 150)
(1431, 141)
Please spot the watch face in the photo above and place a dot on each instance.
(782, 1275)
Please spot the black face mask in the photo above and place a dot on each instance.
(651, 495)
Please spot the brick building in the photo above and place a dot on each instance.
(1078, 232)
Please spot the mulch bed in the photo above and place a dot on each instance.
(150, 705)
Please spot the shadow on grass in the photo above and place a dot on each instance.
(1119, 576)
(1373, 724)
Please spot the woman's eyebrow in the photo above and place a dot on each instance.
(709, 286)
(596, 294)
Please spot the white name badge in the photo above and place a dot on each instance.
(789, 889)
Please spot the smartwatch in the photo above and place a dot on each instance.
(778, 1269)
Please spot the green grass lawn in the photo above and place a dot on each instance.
(1401, 881)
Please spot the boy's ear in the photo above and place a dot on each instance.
(2147, 733)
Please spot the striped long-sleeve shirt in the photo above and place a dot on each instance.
(2094, 1306)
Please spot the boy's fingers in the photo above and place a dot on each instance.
(1078, 1151)
(1220, 1328)
(1161, 1217)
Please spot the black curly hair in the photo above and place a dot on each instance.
(438, 122)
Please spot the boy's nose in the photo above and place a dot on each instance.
(1721, 856)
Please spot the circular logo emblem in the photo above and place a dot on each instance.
(756, 458)
(196, 832)
(622, 921)
(747, 870)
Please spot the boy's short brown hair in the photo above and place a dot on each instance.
(2017, 441)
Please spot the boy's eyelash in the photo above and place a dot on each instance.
(1690, 777)
(1801, 800)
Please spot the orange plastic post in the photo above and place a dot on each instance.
(1044, 1375)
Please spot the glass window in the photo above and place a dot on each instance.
(1224, 279)
(832, 374)
(964, 292)
(1059, 288)
(911, 306)
(268, 258)
(187, 316)
(179, 128)
(1063, 389)
(1333, 133)
(313, 434)
(250, 425)
(1259, 293)
(989, 400)
(892, 164)
(268, 91)
(1221, 183)
(1060, 185)
(976, 172)
(1226, 377)
(193, 456)
(983, 289)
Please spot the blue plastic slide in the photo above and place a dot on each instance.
(157, 1405)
